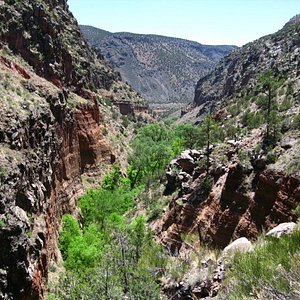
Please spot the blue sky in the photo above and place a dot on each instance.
(206, 21)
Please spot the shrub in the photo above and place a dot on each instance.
(98, 205)
(252, 119)
(296, 122)
(125, 121)
(206, 184)
(150, 154)
(79, 250)
(268, 270)
(286, 104)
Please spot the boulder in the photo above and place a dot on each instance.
(239, 245)
(198, 171)
(288, 142)
(186, 163)
(195, 153)
(184, 177)
(233, 143)
(282, 229)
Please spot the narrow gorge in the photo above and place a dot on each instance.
(100, 198)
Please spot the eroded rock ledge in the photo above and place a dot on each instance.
(242, 202)
(48, 150)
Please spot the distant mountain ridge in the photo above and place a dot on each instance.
(160, 68)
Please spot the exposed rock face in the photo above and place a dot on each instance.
(231, 210)
(244, 199)
(239, 70)
(49, 134)
(165, 68)
(93, 147)
(54, 145)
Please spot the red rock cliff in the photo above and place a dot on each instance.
(231, 210)
(45, 143)
(55, 145)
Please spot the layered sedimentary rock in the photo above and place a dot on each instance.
(52, 147)
(241, 203)
(50, 132)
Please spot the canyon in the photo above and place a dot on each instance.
(64, 118)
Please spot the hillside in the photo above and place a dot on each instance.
(161, 69)
(239, 71)
(253, 95)
(57, 121)
(245, 177)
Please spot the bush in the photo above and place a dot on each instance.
(151, 152)
(270, 269)
(125, 121)
(98, 205)
(296, 122)
(79, 250)
(252, 119)
(286, 104)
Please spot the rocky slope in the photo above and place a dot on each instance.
(241, 199)
(251, 184)
(239, 71)
(238, 97)
(52, 125)
(160, 68)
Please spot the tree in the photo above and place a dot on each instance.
(137, 235)
(207, 125)
(113, 179)
(80, 249)
(151, 152)
(186, 136)
(269, 85)
(211, 132)
(100, 205)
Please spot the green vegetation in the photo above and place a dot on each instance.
(155, 145)
(272, 271)
(2, 223)
(80, 249)
(252, 119)
(188, 136)
(113, 253)
(3, 172)
(151, 154)
(296, 122)
(296, 211)
(286, 104)
(270, 83)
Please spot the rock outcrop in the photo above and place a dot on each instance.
(45, 153)
(245, 197)
(236, 202)
(50, 133)
(47, 36)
